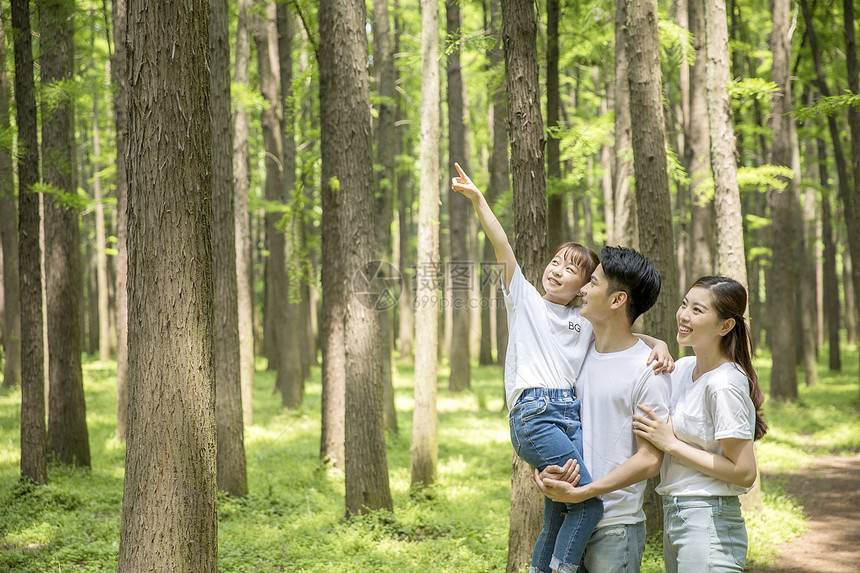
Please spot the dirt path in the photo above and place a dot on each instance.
(830, 494)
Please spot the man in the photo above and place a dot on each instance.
(614, 379)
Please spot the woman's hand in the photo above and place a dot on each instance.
(654, 429)
(660, 359)
(464, 185)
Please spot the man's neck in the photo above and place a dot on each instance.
(614, 335)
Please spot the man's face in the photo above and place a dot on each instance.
(595, 296)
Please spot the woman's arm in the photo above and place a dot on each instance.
(662, 360)
(493, 229)
(737, 466)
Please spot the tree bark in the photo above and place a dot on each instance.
(33, 435)
(701, 260)
(780, 283)
(626, 226)
(292, 373)
(104, 342)
(231, 469)
(347, 170)
(556, 232)
(807, 287)
(170, 495)
(67, 424)
(459, 217)
(424, 448)
(276, 314)
(831, 283)
(119, 70)
(519, 31)
(852, 201)
(385, 133)
(244, 265)
(9, 240)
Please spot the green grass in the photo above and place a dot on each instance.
(293, 519)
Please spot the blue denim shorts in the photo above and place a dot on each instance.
(703, 534)
(546, 429)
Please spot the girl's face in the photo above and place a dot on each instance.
(698, 321)
(562, 279)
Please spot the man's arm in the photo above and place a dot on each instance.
(645, 463)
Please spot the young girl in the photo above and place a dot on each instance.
(548, 341)
(709, 436)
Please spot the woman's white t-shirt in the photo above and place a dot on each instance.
(715, 406)
(547, 342)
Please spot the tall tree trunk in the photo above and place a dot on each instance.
(33, 435)
(731, 261)
(276, 314)
(119, 69)
(852, 201)
(555, 202)
(244, 275)
(385, 133)
(653, 203)
(101, 240)
(831, 283)
(292, 372)
(607, 102)
(519, 30)
(780, 283)
(169, 520)
(9, 239)
(626, 225)
(459, 217)
(67, 422)
(232, 475)
(424, 448)
(701, 259)
(347, 157)
(807, 288)
(406, 310)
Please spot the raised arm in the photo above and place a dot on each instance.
(493, 229)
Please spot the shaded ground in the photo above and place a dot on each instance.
(830, 494)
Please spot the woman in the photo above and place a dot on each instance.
(709, 437)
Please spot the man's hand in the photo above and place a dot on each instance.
(558, 490)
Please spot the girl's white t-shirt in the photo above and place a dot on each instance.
(547, 342)
(715, 406)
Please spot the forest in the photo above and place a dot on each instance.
(248, 326)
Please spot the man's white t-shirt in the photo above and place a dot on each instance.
(715, 406)
(546, 341)
(610, 385)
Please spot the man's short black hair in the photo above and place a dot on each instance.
(627, 270)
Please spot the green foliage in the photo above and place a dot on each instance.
(675, 42)
(828, 106)
(77, 201)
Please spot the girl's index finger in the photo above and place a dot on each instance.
(460, 169)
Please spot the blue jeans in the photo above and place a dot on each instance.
(615, 549)
(703, 534)
(546, 430)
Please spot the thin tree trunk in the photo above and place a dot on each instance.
(806, 263)
(459, 217)
(104, 342)
(519, 30)
(119, 69)
(276, 314)
(852, 202)
(555, 202)
(701, 260)
(9, 239)
(169, 520)
(231, 469)
(780, 283)
(831, 283)
(626, 225)
(292, 372)
(34, 439)
(244, 275)
(385, 135)
(731, 260)
(347, 156)
(68, 439)
(424, 448)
